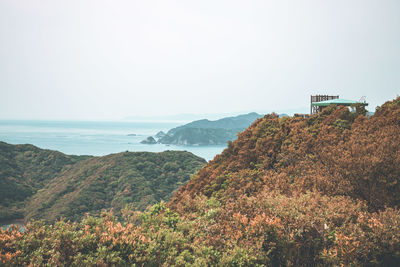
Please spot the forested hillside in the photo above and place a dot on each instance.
(335, 153)
(23, 170)
(320, 191)
(46, 184)
(112, 182)
(324, 190)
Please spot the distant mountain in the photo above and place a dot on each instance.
(200, 136)
(160, 134)
(232, 123)
(183, 117)
(46, 184)
(206, 132)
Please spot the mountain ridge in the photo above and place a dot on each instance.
(205, 132)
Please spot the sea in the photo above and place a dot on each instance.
(97, 138)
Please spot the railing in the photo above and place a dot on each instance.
(319, 98)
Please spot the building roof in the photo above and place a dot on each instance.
(337, 101)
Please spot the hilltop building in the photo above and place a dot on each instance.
(319, 102)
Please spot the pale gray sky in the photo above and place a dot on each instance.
(81, 59)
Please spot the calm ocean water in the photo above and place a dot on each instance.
(94, 138)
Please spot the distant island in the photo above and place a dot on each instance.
(149, 140)
(205, 132)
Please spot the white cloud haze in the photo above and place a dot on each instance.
(81, 59)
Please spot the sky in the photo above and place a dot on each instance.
(109, 60)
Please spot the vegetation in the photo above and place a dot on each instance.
(45, 184)
(320, 191)
(24, 169)
(336, 153)
(112, 182)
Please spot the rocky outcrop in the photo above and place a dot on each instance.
(149, 140)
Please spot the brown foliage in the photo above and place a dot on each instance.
(323, 190)
(335, 152)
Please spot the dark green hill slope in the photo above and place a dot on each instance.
(23, 170)
(137, 178)
(39, 183)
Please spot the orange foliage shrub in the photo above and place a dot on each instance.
(335, 152)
